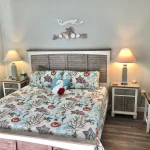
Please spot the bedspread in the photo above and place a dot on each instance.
(78, 113)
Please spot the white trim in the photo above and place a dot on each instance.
(124, 113)
(4, 89)
(135, 104)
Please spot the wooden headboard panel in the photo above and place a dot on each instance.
(80, 60)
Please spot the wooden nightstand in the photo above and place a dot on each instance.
(10, 86)
(124, 99)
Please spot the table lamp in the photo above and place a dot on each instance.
(125, 56)
(13, 56)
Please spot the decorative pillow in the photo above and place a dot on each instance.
(35, 78)
(44, 78)
(66, 83)
(83, 80)
(48, 76)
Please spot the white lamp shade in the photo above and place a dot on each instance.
(12, 55)
(125, 56)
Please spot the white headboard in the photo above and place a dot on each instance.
(80, 60)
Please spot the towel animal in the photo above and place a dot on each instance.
(59, 89)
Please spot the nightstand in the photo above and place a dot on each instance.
(10, 86)
(124, 99)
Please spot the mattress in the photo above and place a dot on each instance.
(79, 113)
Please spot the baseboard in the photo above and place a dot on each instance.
(140, 109)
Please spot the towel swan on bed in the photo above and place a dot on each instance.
(59, 89)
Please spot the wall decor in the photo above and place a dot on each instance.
(72, 21)
(70, 34)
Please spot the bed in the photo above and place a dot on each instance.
(72, 121)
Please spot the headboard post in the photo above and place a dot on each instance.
(81, 60)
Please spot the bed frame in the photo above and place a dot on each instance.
(84, 59)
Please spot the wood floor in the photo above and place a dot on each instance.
(124, 133)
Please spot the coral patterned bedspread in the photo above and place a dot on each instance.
(78, 113)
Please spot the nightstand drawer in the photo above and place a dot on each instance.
(122, 103)
(119, 91)
(9, 91)
(10, 85)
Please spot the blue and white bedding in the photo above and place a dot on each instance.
(79, 113)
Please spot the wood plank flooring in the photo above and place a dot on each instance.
(125, 133)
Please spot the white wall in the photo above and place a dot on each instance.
(108, 23)
(2, 68)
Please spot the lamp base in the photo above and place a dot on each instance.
(14, 72)
(124, 75)
(124, 83)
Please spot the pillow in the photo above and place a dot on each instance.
(42, 68)
(44, 78)
(66, 83)
(83, 80)
(35, 78)
(48, 76)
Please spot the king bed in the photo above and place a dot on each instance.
(33, 117)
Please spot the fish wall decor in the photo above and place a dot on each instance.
(69, 34)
